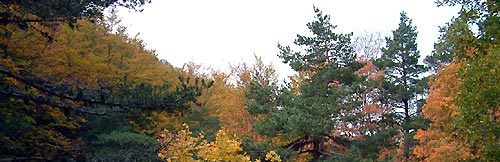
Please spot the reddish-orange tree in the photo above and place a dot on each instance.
(464, 105)
(440, 141)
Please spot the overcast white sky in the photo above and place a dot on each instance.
(218, 32)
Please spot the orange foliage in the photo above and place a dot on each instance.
(384, 153)
(371, 111)
(439, 142)
(226, 98)
(370, 70)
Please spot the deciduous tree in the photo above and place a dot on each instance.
(56, 86)
(465, 115)
(181, 146)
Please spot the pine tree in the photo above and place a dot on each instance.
(324, 47)
(313, 119)
(403, 73)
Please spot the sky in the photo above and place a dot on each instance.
(217, 33)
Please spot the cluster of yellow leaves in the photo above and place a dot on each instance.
(298, 80)
(272, 156)
(439, 142)
(183, 147)
(179, 146)
(224, 148)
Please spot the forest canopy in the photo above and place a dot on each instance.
(74, 86)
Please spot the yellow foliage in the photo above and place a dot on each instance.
(179, 146)
(227, 103)
(299, 80)
(88, 57)
(183, 147)
(225, 148)
(272, 156)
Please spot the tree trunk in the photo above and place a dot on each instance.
(316, 152)
(406, 131)
(406, 99)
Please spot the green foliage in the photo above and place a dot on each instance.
(111, 138)
(479, 104)
(258, 150)
(103, 124)
(456, 37)
(474, 121)
(124, 146)
(310, 114)
(313, 116)
(51, 90)
(400, 60)
(262, 89)
(58, 10)
(403, 75)
(371, 146)
(442, 53)
(200, 121)
(37, 131)
(262, 97)
(324, 47)
(350, 155)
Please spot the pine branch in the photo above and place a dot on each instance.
(50, 90)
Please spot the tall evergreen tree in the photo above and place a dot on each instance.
(403, 73)
(312, 119)
(324, 47)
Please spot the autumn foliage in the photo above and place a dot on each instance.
(182, 146)
(75, 86)
(440, 140)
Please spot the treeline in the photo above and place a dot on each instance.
(75, 87)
